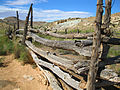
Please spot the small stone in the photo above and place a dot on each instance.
(25, 76)
(16, 89)
(30, 78)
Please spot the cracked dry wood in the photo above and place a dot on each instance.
(77, 46)
(64, 64)
(55, 69)
(51, 78)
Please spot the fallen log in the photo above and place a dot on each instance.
(112, 79)
(65, 64)
(105, 40)
(77, 46)
(55, 69)
(74, 65)
(51, 78)
(66, 36)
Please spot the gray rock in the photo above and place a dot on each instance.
(28, 77)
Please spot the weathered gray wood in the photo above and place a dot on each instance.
(76, 46)
(66, 63)
(110, 75)
(96, 47)
(51, 78)
(55, 69)
(66, 36)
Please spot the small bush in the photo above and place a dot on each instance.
(22, 54)
(6, 46)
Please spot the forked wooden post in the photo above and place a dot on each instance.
(107, 18)
(26, 26)
(31, 23)
(17, 19)
(107, 13)
(96, 47)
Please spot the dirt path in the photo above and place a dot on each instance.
(14, 76)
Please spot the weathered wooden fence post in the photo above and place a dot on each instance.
(66, 31)
(31, 23)
(26, 26)
(107, 18)
(96, 47)
(78, 30)
(17, 19)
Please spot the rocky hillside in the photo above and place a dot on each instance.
(82, 23)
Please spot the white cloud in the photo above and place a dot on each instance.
(41, 15)
(23, 2)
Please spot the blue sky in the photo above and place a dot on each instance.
(51, 10)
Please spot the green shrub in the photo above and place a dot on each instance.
(21, 53)
(6, 45)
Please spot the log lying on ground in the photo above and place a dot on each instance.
(67, 36)
(64, 64)
(55, 69)
(51, 78)
(74, 65)
(77, 46)
(106, 40)
(106, 74)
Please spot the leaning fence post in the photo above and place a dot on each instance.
(17, 20)
(14, 32)
(26, 26)
(31, 23)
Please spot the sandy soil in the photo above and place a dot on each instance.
(14, 76)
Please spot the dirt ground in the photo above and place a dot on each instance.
(15, 76)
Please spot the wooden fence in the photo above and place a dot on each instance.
(65, 73)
